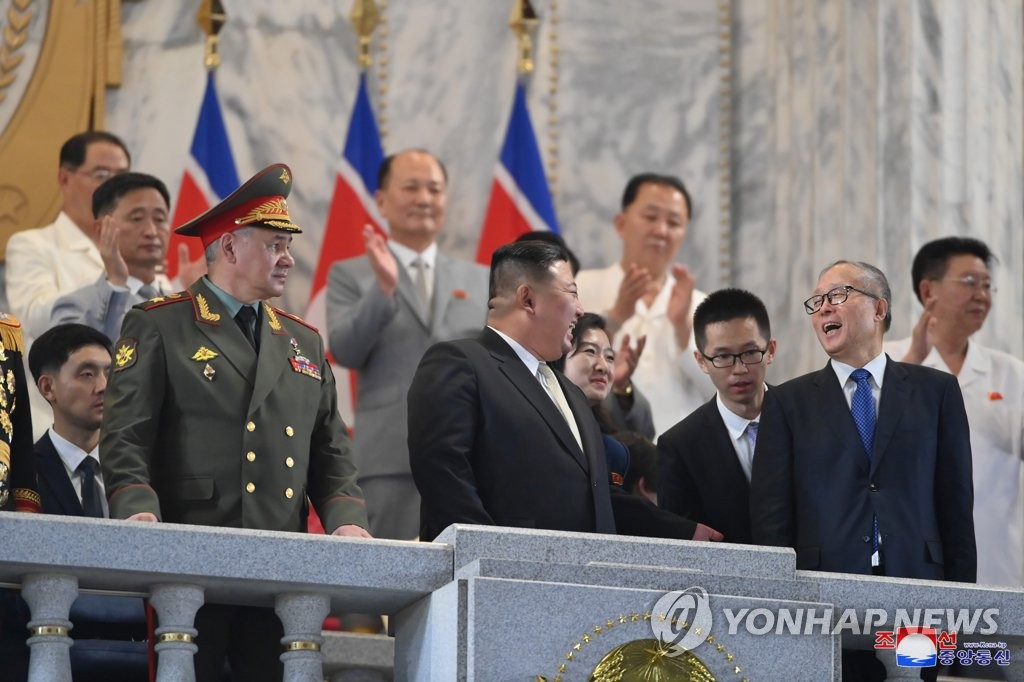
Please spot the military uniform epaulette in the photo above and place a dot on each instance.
(296, 318)
(166, 299)
(10, 334)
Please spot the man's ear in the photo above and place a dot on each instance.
(620, 223)
(526, 298)
(45, 386)
(770, 355)
(700, 361)
(925, 289)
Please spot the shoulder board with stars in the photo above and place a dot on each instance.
(166, 299)
(296, 318)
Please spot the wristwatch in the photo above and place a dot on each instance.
(627, 391)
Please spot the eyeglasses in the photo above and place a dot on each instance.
(973, 282)
(100, 175)
(747, 357)
(834, 296)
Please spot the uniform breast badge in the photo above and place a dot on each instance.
(302, 364)
(204, 354)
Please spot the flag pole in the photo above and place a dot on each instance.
(364, 17)
(211, 17)
(523, 21)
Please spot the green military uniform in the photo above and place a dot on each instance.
(198, 429)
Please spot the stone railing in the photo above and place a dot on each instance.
(481, 603)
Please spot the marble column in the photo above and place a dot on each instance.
(302, 616)
(49, 596)
(176, 606)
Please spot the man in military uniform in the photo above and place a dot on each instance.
(222, 410)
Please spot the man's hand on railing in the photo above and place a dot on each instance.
(144, 516)
(351, 530)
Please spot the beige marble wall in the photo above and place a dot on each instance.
(865, 129)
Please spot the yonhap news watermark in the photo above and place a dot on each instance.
(683, 620)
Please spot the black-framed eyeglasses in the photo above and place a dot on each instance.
(834, 296)
(747, 357)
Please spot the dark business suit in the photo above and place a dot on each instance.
(109, 632)
(699, 475)
(488, 446)
(814, 489)
(55, 488)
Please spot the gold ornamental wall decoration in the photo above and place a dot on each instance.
(57, 59)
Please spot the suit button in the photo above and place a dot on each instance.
(873, 488)
(289, 493)
(289, 431)
(250, 487)
(250, 427)
(289, 462)
(865, 538)
(251, 456)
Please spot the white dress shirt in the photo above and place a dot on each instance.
(72, 455)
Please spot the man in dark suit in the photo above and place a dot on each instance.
(222, 410)
(865, 465)
(498, 438)
(381, 323)
(70, 364)
(705, 460)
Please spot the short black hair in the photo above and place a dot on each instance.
(384, 171)
(522, 262)
(932, 260)
(109, 194)
(554, 238)
(641, 179)
(72, 152)
(643, 460)
(54, 346)
(725, 305)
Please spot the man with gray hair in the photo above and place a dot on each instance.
(222, 411)
(864, 466)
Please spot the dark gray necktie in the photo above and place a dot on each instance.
(246, 321)
(91, 503)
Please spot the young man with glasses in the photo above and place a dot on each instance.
(953, 282)
(704, 461)
(864, 466)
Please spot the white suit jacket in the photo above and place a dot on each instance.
(668, 376)
(992, 383)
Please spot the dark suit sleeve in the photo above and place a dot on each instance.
(772, 496)
(443, 427)
(677, 491)
(954, 488)
(635, 515)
